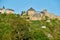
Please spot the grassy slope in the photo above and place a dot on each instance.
(52, 28)
(39, 33)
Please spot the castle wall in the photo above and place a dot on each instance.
(8, 11)
(31, 13)
(2, 11)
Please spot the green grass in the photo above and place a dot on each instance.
(8, 23)
(50, 27)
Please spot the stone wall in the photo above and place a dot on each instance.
(8, 11)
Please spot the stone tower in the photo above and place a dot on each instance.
(45, 12)
(30, 13)
(2, 10)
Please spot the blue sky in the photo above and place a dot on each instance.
(52, 6)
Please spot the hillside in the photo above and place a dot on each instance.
(13, 27)
(49, 29)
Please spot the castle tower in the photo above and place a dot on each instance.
(45, 11)
(31, 12)
(3, 10)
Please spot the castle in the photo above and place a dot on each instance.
(32, 14)
(8, 11)
(39, 15)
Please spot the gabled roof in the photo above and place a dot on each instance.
(31, 9)
(2, 8)
(10, 9)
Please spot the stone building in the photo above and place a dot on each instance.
(8, 11)
(39, 15)
(33, 15)
(2, 10)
